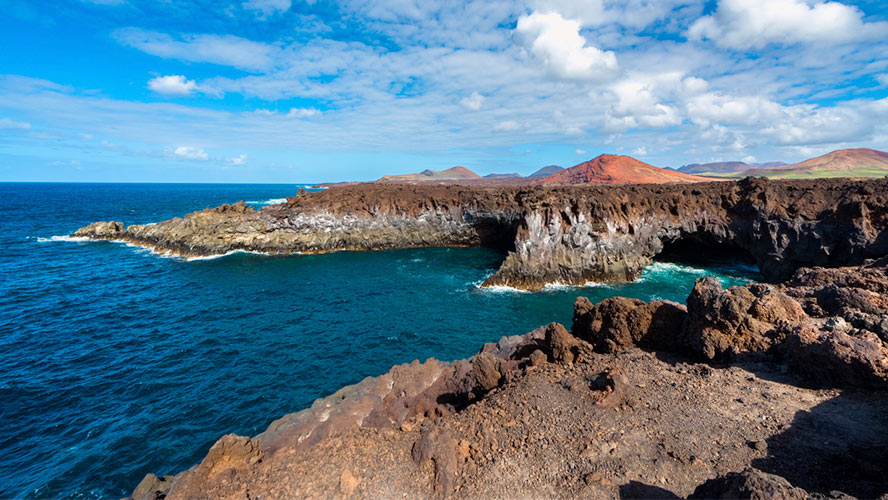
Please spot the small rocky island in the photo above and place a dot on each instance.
(770, 390)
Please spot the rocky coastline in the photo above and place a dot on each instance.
(567, 235)
(760, 391)
(768, 390)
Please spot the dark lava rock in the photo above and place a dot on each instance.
(486, 370)
(837, 359)
(620, 322)
(750, 318)
(751, 484)
(563, 347)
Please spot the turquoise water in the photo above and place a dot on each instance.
(115, 362)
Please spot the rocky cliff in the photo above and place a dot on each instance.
(760, 391)
(561, 234)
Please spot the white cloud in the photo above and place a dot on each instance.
(191, 153)
(303, 112)
(640, 151)
(565, 53)
(473, 102)
(883, 78)
(507, 126)
(172, 85)
(580, 151)
(715, 108)
(650, 101)
(239, 160)
(267, 8)
(745, 24)
(226, 50)
(8, 123)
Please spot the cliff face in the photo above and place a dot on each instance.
(564, 234)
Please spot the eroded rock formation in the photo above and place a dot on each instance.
(586, 413)
(564, 234)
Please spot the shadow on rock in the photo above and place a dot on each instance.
(635, 490)
(840, 444)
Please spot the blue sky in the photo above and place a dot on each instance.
(316, 90)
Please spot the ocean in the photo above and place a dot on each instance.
(115, 362)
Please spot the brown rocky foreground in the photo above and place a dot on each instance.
(562, 234)
(760, 391)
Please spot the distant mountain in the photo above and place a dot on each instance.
(842, 163)
(546, 171)
(725, 167)
(451, 174)
(502, 176)
(617, 169)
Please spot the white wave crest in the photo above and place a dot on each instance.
(232, 252)
(270, 201)
(70, 239)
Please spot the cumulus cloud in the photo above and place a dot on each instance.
(191, 153)
(266, 8)
(745, 24)
(239, 160)
(882, 79)
(472, 102)
(580, 151)
(650, 100)
(640, 151)
(716, 108)
(172, 85)
(226, 50)
(566, 54)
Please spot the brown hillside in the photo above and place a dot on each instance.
(618, 169)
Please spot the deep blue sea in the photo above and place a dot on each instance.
(115, 362)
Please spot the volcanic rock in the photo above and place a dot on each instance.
(563, 347)
(837, 359)
(620, 322)
(563, 234)
(751, 484)
(752, 318)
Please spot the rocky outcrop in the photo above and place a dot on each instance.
(587, 407)
(562, 234)
(723, 323)
(619, 322)
(750, 484)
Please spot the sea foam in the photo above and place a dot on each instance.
(270, 201)
(70, 239)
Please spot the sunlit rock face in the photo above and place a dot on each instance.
(565, 234)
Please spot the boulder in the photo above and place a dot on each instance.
(486, 370)
(752, 318)
(838, 359)
(751, 484)
(620, 322)
(563, 347)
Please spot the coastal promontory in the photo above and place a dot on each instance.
(552, 234)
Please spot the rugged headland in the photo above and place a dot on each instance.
(761, 391)
(559, 234)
